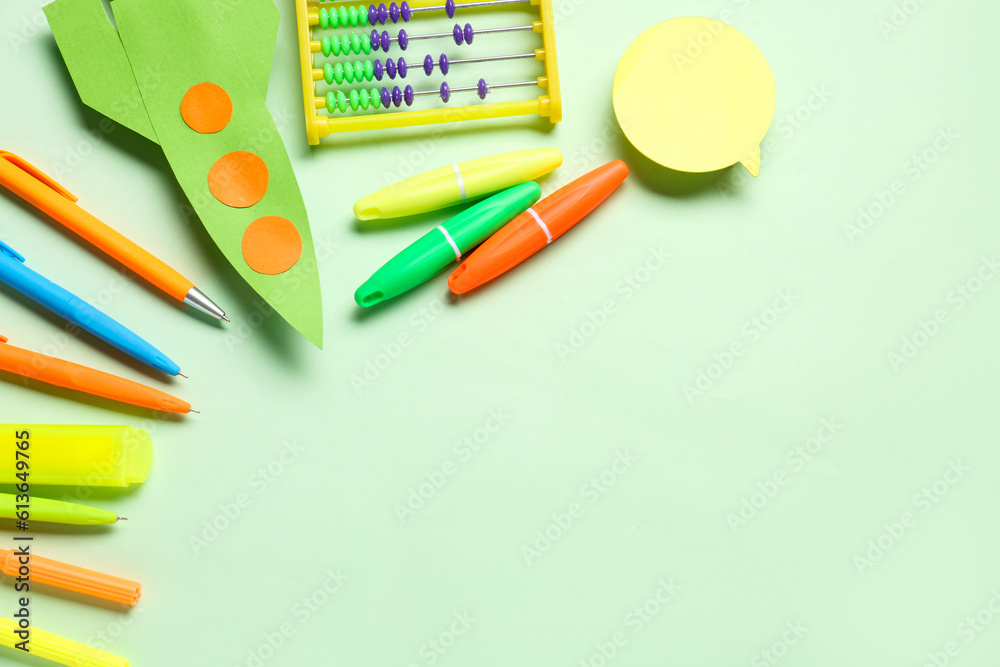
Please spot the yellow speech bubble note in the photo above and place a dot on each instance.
(695, 95)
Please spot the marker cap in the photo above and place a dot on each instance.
(78, 455)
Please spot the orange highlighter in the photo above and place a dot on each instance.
(81, 378)
(70, 577)
(537, 227)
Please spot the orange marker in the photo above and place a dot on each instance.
(80, 378)
(70, 577)
(537, 227)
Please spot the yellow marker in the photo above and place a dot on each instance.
(76, 455)
(695, 95)
(458, 183)
(55, 648)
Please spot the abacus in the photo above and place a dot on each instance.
(371, 78)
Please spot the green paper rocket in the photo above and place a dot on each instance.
(138, 75)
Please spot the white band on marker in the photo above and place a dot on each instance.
(451, 242)
(545, 228)
(461, 183)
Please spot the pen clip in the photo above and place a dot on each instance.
(7, 250)
(37, 173)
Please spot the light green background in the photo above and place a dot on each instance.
(866, 103)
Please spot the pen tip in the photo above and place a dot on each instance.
(226, 318)
(195, 411)
(123, 518)
(182, 375)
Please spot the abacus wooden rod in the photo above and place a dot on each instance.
(361, 15)
(367, 70)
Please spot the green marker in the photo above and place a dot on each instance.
(54, 511)
(433, 252)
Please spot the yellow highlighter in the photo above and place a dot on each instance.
(61, 455)
(457, 184)
(55, 648)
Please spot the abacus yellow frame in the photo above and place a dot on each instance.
(318, 126)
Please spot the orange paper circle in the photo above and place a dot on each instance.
(238, 179)
(206, 108)
(271, 245)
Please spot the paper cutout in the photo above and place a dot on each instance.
(184, 43)
(238, 179)
(252, 29)
(206, 108)
(97, 62)
(695, 95)
(271, 245)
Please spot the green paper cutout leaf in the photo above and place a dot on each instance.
(97, 62)
(169, 47)
(252, 29)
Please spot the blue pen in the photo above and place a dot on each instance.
(13, 272)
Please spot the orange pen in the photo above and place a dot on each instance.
(33, 186)
(81, 378)
(537, 227)
(69, 577)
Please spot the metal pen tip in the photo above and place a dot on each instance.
(195, 411)
(226, 319)
(123, 518)
(182, 375)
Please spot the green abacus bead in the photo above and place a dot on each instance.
(338, 73)
(366, 99)
(362, 16)
(355, 100)
(331, 102)
(366, 44)
(341, 101)
(376, 99)
(369, 70)
(356, 42)
(359, 70)
(328, 72)
(325, 43)
(324, 18)
(349, 73)
(353, 11)
(345, 18)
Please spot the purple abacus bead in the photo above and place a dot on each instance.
(402, 67)
(386, 98)
(372, 14)
(404, 11)
(457, 32)
(404, 40)
(449, 7)
(445, 91)
(482, 89)
(390, 68)
(386, 40)
(469, 33)
(397, 96)
(383, 13)
(394, 12)
(428, 65)
(374, 37)
(408, 95)
(445, 65)
(379, 70)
